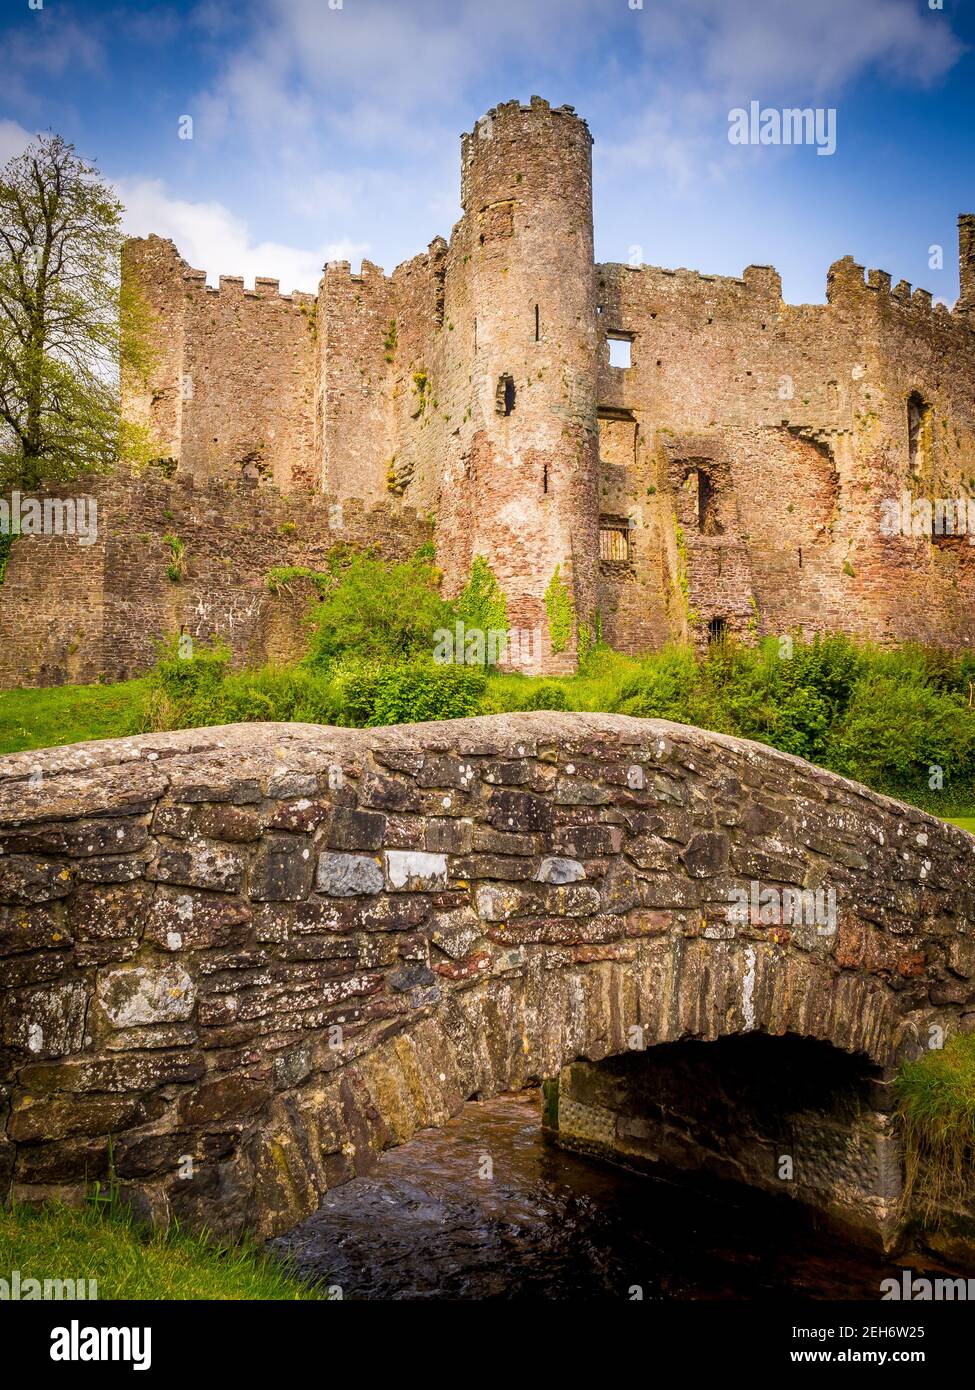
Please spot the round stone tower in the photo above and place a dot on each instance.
(527, 494)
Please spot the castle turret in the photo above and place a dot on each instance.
(966, 264)
(526, 494)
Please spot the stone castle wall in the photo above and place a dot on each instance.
(244, 960)
(80, 614)
(730, 479)
(797, 417)
(231, 393)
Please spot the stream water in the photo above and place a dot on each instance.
(485, 1208)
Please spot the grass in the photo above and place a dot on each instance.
(42, 718)
(936, 1104)
(128, 1261)
(47, 718)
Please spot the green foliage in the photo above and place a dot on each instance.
(481, 604)
(892, 728)
(412, 692)
(560, 610)
(661, 687)
(421, 388)
(176, 568)
(281, 576)
(377, 610)
(184, 686)
(69, 321)
(7, 539)
(936, 1109)
(546, 695)
(101, 1241)
(680, 540)
(590, 638)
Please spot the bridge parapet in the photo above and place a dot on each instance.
(236, 963)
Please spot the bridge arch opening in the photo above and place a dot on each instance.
(790, 1116)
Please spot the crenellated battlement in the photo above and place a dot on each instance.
(515, 110)
(850, 288)
(233, 287)
(557, 415)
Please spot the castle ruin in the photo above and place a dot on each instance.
(688, 453)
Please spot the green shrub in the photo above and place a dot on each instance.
(893, 731)
(184, 686)
(377, 610)
(661, 687)
(546, 695)
(413, 692)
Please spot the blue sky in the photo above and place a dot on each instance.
(329, 129)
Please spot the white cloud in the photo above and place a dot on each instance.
(212, 238)
(13, 140)
(703, 57)
(821, 45)
(387, 74)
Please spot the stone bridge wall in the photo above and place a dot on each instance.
(246, 959)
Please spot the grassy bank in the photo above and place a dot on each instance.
(127, 1261)
(898, 719)
(936, 1105)
(48, 718)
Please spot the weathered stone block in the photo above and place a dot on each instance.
(555, 869)
(25, 879)
(348, 875)
(194, 920)
(498, 901)
(48, 1021)
(706, 854)
(520, 812)
(145, 995)
(200, 864)
(415, 870)
(356, 830)
(80, 838)
(283, 869)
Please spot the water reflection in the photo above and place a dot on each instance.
(546, 1224)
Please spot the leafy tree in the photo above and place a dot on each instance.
(67, 323)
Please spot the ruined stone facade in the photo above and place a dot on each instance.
(278, 949)
(81, 614)
(731, 477)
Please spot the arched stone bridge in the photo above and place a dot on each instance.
(248, 958)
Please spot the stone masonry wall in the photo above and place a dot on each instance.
(797, 415)
(95, 613)
(232, 389)
(274, 950)
(390, 389)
